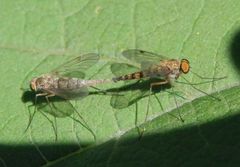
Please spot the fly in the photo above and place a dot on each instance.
(65, 82)
(168, 70)
(153, 66)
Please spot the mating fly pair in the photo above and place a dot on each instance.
(67, 81)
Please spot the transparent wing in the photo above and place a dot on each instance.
(119, 69)
(125, 98)
(77, 66)
(130, 94)
(131, 91)
(145, 58)
(57, 107)
(69, 94)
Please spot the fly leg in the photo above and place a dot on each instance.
(180, 117)
(175, 100)
(172, 92)
(162, 83)
(150, 92)
(47, 95)
(103, 92)
(84, 124)
(54, 124)
(99, 90)
(35, 109)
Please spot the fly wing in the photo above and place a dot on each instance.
(70, 94)
(57, 107)
(129, 94)
(73, 93)
(119, 69)
(77, 66)
(131, 91)
(145, 58)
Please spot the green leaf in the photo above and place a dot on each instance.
(37, 36)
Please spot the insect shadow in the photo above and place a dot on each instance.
(128, 94)
(131, 92)
(51, 92)
(57, 107)
(160, 73)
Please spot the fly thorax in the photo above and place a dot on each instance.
(173, 76)
(44, 83)
(153, 72)
(39, 84)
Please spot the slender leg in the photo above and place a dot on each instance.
(46, 97)
(165, 82)
(84, 124)
(136, 122)
(97, 89)
(178, 108)
(104, 92)
(49, 95)
(56, 130)
(172, 92)
(52, 123)
(30, 117)
(150, 92)
(35, 109)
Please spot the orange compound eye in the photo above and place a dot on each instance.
(185, 66)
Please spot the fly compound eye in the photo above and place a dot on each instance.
(185, 66)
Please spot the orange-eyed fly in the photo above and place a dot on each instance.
(153, 66)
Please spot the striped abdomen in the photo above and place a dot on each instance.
(136, 75)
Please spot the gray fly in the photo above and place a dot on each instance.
(66, 82)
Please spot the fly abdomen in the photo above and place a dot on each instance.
(136, 75)
(84, 83)
(67, 83)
